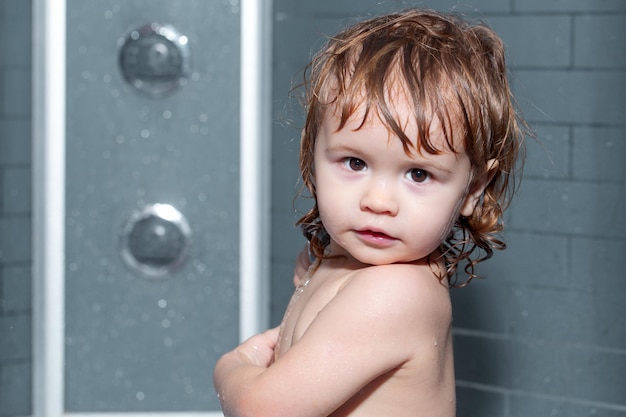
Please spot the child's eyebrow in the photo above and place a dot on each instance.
(429, 163)
(342, 148)
(435, 166)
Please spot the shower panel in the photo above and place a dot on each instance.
(151, 248)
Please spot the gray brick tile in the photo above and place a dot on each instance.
(567, 317)
(15, 8)
(15, 43)
(16, 337)
(510, 364)
(15, 389)
(535, 41)
(569, 6)
(362, 8)
(576, 97)
(474, 309)
(599, 154)
(599, 376)
(306, 37)
(15, 141)
(566, 207)
(15, 291)
(597, 265)
(15, 239)
(549, 266)
(529, 405)
(548, 156)
(600, 41)
(472, 402)
(544, 369)
(17, 190)
(16, 97)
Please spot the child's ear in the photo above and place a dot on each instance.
(473, 197)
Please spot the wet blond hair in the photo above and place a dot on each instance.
(445, 67)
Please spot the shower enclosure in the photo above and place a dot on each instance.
(150, 211)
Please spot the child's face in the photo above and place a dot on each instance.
(379, 204)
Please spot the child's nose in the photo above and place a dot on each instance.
(379, 197)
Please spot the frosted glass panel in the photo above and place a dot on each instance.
(137, 341)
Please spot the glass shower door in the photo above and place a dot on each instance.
(149, 254)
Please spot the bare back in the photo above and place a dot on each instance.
(389, 325)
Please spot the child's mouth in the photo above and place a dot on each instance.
(375, 237)
(376, 234)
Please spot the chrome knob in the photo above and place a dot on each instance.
(155, 241)
(155, 59)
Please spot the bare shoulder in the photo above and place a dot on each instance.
(401, 302)
(410, 286)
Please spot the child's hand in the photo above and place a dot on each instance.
(259, 349)
(241, 367)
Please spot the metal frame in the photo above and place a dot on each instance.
(49, 19)
(255, 131)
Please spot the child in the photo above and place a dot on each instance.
(410, 141)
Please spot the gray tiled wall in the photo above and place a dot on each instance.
(15, 207)
(542, 335)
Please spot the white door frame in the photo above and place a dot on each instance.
(49, 36)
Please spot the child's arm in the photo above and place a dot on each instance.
(383, 318)
(245, 363)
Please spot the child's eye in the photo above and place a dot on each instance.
(418, 175)
(355, 164)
